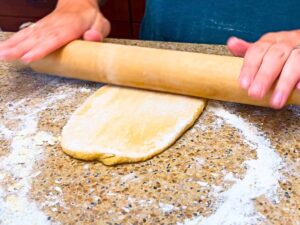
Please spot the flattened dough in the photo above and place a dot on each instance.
(121, 125)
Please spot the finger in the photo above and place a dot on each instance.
(15, 39)
(92, 35)
(7, 45)
(287, 81)
(237, 46)
(99, 30)
(106, 27)
(298, 85)
(270, 69)
(252, 61)
(21, 48)
(46, 45)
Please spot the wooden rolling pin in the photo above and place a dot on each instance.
(194, 74)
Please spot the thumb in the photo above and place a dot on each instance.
(237, 46)
(99, 30)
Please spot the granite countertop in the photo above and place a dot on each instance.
(237, 165)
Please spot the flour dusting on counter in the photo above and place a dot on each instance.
(85, 90)
(17, 167)
(210, 156)
(236, 205)
(167, 208)
(5, 132)
(294, 109)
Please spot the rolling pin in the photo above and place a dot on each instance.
(193, 74)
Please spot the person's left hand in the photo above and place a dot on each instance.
(272, 60)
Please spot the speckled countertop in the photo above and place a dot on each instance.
(237, 165)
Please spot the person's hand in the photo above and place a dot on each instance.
(70, 20)
(274, 60)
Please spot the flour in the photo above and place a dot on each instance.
(295, 109)
(54, 199)
(199, 161)
(145, 203)
(85, 90)
(230, 177)
(43, 137)
(236, 205)
(167, 208)
(217, 123)
(129, 177)
(86, 166)
(5, 132)
(26, 147)
(202, 183)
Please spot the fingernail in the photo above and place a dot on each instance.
(256, 91)
(26, 58)
(277, 100)
(245, 82)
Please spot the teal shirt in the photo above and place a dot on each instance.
(214, 21)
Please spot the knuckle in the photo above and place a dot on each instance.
(283, 34)
(248, 62)
(265, 74)
(294, 35)
(283, 45)
(37, 36)
(258, 47)
(250, 65)
(289, 77)
(267, 77)
(268, 36)
(277, 53)
(295, 55)
(280, 50)
(55, 37)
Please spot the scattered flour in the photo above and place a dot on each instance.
(85, 90)
(167, 208)
(230, 177)
(25, 149)
(294, 109)
(5, 132)
(145, 203)
(202, 183)
(217, 123)
(199, 161)
(128, 177)
(236, 205)
(86, 166)
(54, 198)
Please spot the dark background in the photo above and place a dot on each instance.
(124, 15)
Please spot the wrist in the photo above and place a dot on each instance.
(77, 3)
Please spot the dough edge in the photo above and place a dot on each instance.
(111, 159)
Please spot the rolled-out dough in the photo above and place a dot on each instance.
(121, 125)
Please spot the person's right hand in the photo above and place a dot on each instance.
(69, 21)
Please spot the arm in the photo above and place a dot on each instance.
(70, 20)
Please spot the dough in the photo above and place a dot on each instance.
(122, 125)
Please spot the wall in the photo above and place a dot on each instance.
(125, 15)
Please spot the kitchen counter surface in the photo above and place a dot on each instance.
(237, 165)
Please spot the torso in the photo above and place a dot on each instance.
(214, 21)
